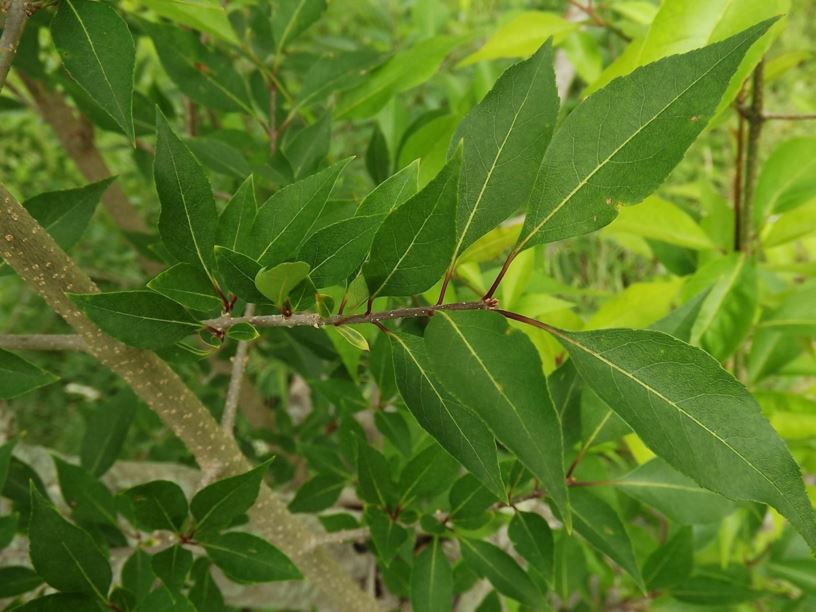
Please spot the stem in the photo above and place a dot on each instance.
(502, 272)
(237, 377)
(13, 27)
(789, 117)
(739, 163)
(43, 342)
(755, 122)
(598, 20)
(41, 263)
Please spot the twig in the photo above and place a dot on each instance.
(16, 17)
(237, 377)
(739, 164)
(600, 21)
(339, 537)
(789, 117)
(43, 342)
(755, 122)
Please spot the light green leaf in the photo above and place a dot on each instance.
(505, 137)
(415, 243)
(18, 376)
(497, 373)
(188, 218)
(659, 219)
(65, 214)
(596, 521)
(521, 36)
(215, 506)
(246, 558)
(188, 285)
(65, 556)
(404, 71)
(276, 283)
(97, 50)
(426, 141)
(431, 580)
(338, 250)
(138, 318)
(501, 570)
(285, 221)
(208, 16)
(353, 337)
(593, 165)
(786, 179)
(796, 315)
(290, 18)
(693, 414)
(453, 425)
(792, 225)
(639, 305)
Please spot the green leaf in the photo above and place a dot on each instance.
(792, 225)
(16, 579)
(309, 146)
(501, 570)
(522, 36)
(89, 499)
(353, 337)
(427, 474)
(727, 312)
(65, 214)
(497, 373)
(19, 478)
(235, 222)
(414, 245)
(386, 533)
(97, 50)
(62, 602)
(375, 485)
(105, 432)
(276, 282)
(172, 565)
(138, 575)
(337, 251)
(218, 504)
(800, 572)
(694, 415)
(188, 218)
(394, 427)
(505, 137)
(716, 587)
(65, 556)
(468, 502)
(205, 594)
(138, 318)
(159, 504)
(5, 461)
(246, 558)
(163, 599)
(659, 219)
(8, 528)
(188, 285)
(432, 580)
(402, 72)
(285, 221)
(18, 376)
(318, 493)
(290, 18)
(242, 332)
(786, 179)
(238, 271)
(659, 485)
(596, 521)
(795, 315)
(532, 538)
(208, 16)
(593, 164)
(671, 563)
(452, 424)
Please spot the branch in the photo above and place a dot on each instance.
(234, 389)
(41, 263)
(340, 537)
(755, 120)
(13, 27)
(789, 117)
(43, 342)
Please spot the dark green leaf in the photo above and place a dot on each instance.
(188, 220)
(143, 319)
(596, 163)
(505, 137)
(172, 565)
(432, 580)
(160, 504)
(16, 579)
(427, 474)
(17, 487)
(105, 432)
(694, 415)
(98, 52)
(601, 526)
(5, 461)
(317, 494)
(532, 538)
(218, 504)
(247, 558)
(65, 556)
(205, 594)
(65, 214)
(138, 575)
(394, 427)
(165, 600)
(88, 498)
(286, 220)
(468, 502)
(18, 376)
(62, 602)
(386, 533)
(8, 528)
(375, 485)
(238, 272)
(188, 285)
(414, 245)
(671, 563)
(501, 570)
(309, 146)
(235, 222)
(497, 372)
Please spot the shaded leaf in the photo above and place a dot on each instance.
(188, 285)
(105, 432)
(247, 558)
(18, 376)
(215, 506)
(172, 565)
(501, 570)
(431, 580)
(159, 504)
